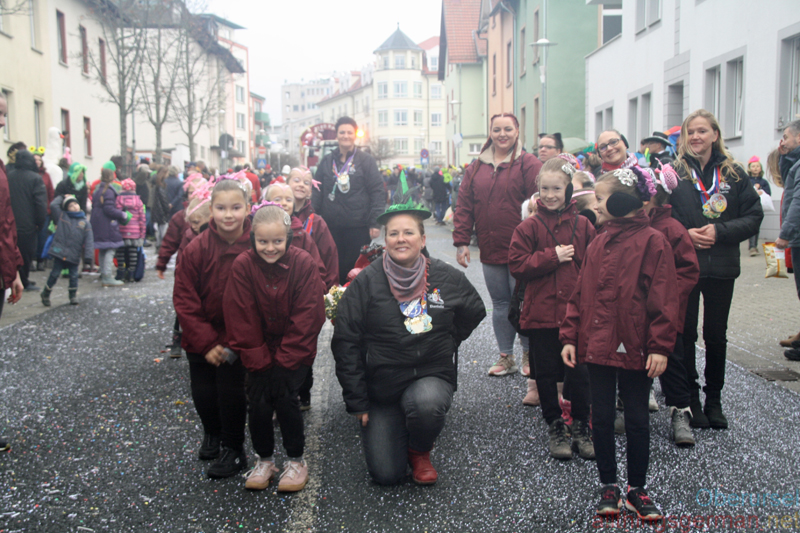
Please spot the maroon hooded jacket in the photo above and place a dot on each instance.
(274, 311)
(686, 266)
(10, 258)
(318, 229)
(304, 241)
(172, 239)
(489, 201)
(532, 258)
(200, 279)
(625, 295)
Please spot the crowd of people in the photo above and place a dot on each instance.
(597, 263)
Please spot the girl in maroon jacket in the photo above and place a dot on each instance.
(217, 375)
(621, 321)
(301, 181)
(274, 310)
(547, 251)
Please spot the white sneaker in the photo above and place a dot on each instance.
(652, 404)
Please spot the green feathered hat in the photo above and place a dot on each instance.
(403, 202)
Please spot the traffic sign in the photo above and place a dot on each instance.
(262, 152)
(424, 154)
(261, 163)
(424, 161)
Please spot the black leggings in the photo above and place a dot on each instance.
(127, 257)
(262, 402)
(348, 243)
(219, 398)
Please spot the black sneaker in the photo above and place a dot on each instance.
(610, 501)
(639, 502)
(792, 355)
(230, 463)
(210, 447)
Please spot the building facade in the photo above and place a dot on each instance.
(299, 106)
(682, 56)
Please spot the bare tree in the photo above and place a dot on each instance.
(381, 150)
(14, 7)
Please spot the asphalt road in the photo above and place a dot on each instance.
(105, 438)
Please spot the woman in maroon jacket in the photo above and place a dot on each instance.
(547, 251)
(624, 302)
(217, 375)
(489, 201)
(300, 180)
(275, 311)
(674, 380)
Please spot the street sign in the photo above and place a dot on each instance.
(424, 154)
(261, 163)
(262, 152)
(424, 161)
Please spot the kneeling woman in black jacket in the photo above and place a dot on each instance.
(397, 329)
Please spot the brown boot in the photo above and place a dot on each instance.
(422, 470)
(787, 343)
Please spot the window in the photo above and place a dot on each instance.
(641, 20)
(242, 148)
(735, 111)
(287, 95)
(84, 50)
(400, 117)
(62, 37)
(474, 148)
(2, 28)
(87, 136)
(240, 94)
(714, 90)
(413, 61)
(433, 61)
(522, 51)
(648, 12)
(609, 118)
(535, 36)
(436, 120)
(103, 60)
(383, 118)
(653, 11)
(355, 107)
(401, 146)
(644, 114)
(257, 106)
(203, 152)
(494, 74)
(34, 18)
(509, 63)
(386, 61)
(401, 89)
(37, 123)
(612, 23)
(436, 92)
(436, 147)
(7, 128)
(399, 61)
(288, 108)
(418, 144)
(789, 85)
(383, 90)
(295, 108)
(417, 89)
(633, 122)
(302, 108)
(418, 117)
(65, 128)
(240, 121)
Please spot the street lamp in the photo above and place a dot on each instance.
(544, 43)
(457, 103)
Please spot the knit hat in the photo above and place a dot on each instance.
(110, 166)
(128, 184)
(754, 159)
(75, 170)
(68, 199)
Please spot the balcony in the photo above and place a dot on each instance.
(262, 140)
(262, 117)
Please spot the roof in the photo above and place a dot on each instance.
(429, 43)
(460, 18)
(222, 21)
(398, 41)
(257, 96)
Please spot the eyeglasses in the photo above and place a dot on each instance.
(547, 147)
(603, 147)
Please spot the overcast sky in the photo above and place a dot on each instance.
(294, 39)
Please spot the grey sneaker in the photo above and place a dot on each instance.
(582, 440)
(681, 430)
(559, 444)
(619, 423)
(504, 365)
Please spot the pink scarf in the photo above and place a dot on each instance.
(406, 283)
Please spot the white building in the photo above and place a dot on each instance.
(299, 108)
(733, 57)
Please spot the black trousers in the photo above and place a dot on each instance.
(219, 398)
(262, 402)
(305, 388)
(717, 297)
(550, 369)
(348, 243)
(674, 380)
(27, 248)
(634, 389)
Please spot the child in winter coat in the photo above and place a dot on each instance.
(217, 375)
(274, 312)
(621, 322)
(73, 237)
(133, 233)
(547, 251)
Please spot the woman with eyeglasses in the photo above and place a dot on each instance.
(612, 146)
(489, 201)
(550, 145)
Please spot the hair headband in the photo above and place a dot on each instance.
(36, 151)
(265, 203)
(583, 193)
(667, 177)
(626, 177)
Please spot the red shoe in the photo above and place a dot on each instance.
(422, 470)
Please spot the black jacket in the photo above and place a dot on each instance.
(376, 357)
(361, 205)
(28, 195)
(664, 157)
(740, 220)
(66, 186)
(159, 204)
(439, 187)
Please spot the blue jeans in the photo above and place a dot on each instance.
(58, 266)
(441, 209)
(413, 423)
(500, 284)
(44, 233)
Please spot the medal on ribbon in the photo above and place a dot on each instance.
(342, 177)
(714, 203)
(418, 320)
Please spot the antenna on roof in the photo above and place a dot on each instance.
(398, 25)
